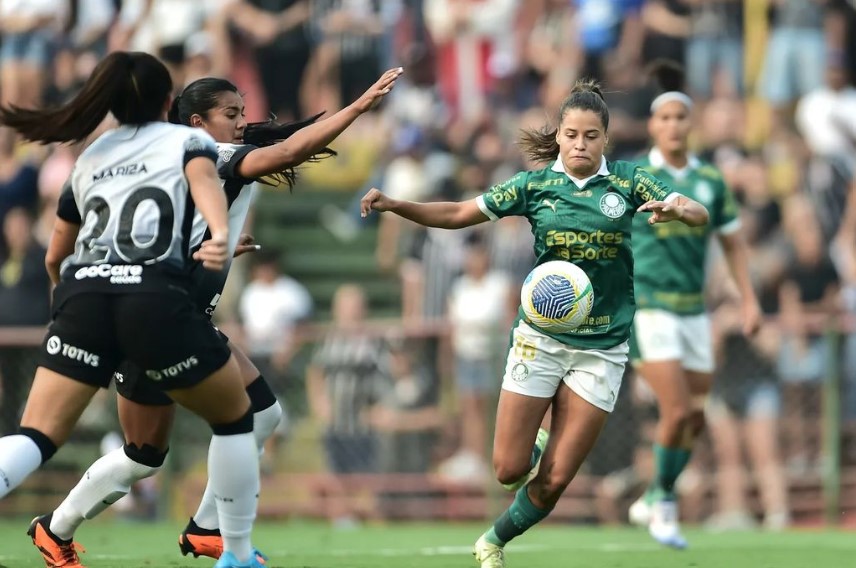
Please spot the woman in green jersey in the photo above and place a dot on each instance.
(672, 346)
(581, 209)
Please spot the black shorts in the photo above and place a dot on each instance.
(162, 333)
(133, 384)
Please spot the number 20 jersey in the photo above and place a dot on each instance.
(134, 202)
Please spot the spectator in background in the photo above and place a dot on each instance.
(606, 28)
(826, 119)
(808, 295)
(629, 98)
(272, 308)
(474, 45)
(795, 56)
(407, 178)
(743, 411)
(715, 48)
(30, 30)
(840, 29)
(405, 417)
(349, 38)
(24, 301)
(18, 177)
(551, 62)
(667, 27)
(280, 34)
(342, 385)
(480, 305)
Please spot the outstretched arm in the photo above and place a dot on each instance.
(737, 255)
(312, 139)
(443, 214)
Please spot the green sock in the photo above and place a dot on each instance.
(670, 462)
(517, 519)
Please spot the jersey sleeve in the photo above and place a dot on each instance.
(67, 209)
(727, 215)
(505, 199)
(199, 145)
(228, 158)
(647, 188)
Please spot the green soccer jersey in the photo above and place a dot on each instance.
(670, 257)
(587, 222)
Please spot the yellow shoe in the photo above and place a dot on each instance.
(541, 444)
(488, 555)
(55, 552)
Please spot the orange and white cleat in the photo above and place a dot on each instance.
(57, 553)
(206, 542)
(200, 542)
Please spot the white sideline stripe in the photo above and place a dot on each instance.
(464, 550)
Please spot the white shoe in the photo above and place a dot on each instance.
(541, 444)
(664, 527)
(639, 513)
(488, 555)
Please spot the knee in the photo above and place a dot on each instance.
(243, 425)
(265, 421)
(142, 462)
(46, 445)
(547, 489)
(677, 417)
(507, 471)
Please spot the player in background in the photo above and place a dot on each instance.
(245, 153)
(672, 347)
(581, 208)
(125, 292)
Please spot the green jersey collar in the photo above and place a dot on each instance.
(558, 166)
(657, 160)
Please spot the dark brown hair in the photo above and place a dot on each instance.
(134, 86)
(540, 145)
(202, 95)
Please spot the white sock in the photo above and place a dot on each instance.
(19, 457)
(233, 476)
(264, 423)
(105, 482)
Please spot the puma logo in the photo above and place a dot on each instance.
(550, 205)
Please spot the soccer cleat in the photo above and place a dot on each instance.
(228, 560)
(488, 555)
(540, 444)
(640, 512)
(206, 542)
(200, 542)
(56, 552)
(664, 527)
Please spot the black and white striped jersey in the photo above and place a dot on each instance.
(133, 199)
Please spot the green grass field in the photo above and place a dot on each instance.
(306, 545)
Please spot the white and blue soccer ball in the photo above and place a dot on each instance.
(557, 296)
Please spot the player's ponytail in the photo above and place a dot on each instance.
(540, 145)
(133, 86)
(669, 77)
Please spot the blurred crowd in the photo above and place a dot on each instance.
(776, 112)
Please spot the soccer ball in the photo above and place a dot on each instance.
(557, 296)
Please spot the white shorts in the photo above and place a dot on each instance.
(537, 364)
(661, 335)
